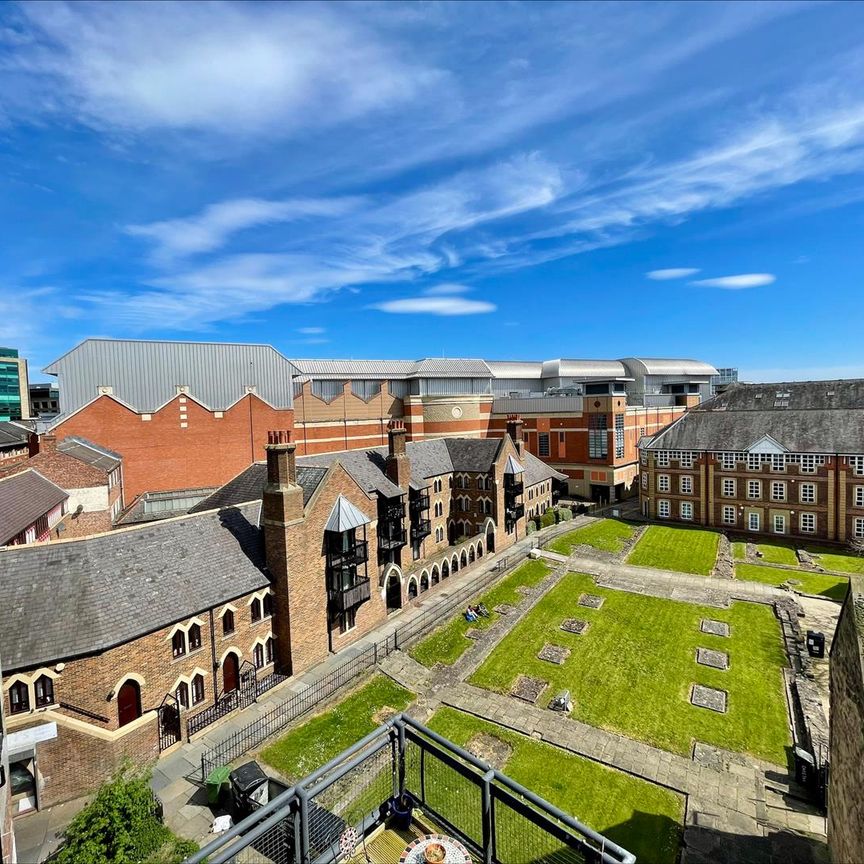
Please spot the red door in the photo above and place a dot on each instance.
(128, 702)
(230, 673)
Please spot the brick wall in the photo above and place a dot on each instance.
(846, 789)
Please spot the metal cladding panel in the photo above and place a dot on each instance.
(512, 466)
(345, 516)
(665, 366)
(146, 374)
(539, 405)
(602, 369)
(359, 369)
(516, 369)
(506, 386)
(455, 386)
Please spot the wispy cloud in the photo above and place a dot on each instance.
(672, 273)
(447, 288)
(311, 331)
(431, 305)
(736, 283)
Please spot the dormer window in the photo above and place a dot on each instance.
(19, 698)
(43, 691)
(268, 605)
(194, 637)
(178, 644)
(255, 610)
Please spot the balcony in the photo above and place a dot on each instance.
(514, 487)
(392, 511)
(514, 513)
(348, 598)
(419, 503)
(357, 554)
(391, 537)
(420, 529)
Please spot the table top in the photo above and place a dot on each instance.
(415, 852)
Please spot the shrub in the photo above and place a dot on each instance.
(530, 527)
(565, 514)
(119, 826)
(548, 518)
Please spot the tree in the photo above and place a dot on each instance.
(856, 546)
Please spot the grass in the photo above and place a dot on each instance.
(324, 736)
(631, 672)
(687, 550)
(739, 551)
(449, 642)
(608, 535)
(824, 584)
(831, 559)
(775, 554)
(643, 818)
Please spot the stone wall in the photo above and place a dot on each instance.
(846, 789)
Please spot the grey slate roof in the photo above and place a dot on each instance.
(249, 484)
(813, 422)
(24, 498)
(145, 374)
(472, 454)
(345, 516)
(90, 453)
(112, 588)
(12, 435)
(536, 470)
(365, 466)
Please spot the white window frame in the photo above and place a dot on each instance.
(686, 510)
(729, 515)
(807, 493)
(754, 461)
(685, 460)
(757, 485)
(778, 485)
(685, 484)
(778, 462)
(858, 496)
(729, 487)
(664, 483)
(644, 479)
(779, 520)
(663, 509)
(750, 521)
(807, 523)
(661, 458)
(856, 463)
(858, 527)
(728, 461)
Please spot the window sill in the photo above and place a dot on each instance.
(188, 654)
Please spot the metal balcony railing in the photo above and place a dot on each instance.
(419, 503)
(514, 513)
(357, 554)
(392, 537)
(420, 529)
(514, 487)
(348, 598)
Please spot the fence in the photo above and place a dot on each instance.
(403, 762)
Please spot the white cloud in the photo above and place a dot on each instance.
(735, 283)
(436, 306)
(311, 331)
(447, 288)
(672, 273)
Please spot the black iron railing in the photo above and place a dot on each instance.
(391, 536)
(84, 712)
(420, 529)
(351, 557)
(418, 503)
(513, 487)
(347, 598)
(514, 512)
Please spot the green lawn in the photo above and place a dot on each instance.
(687, 550)
(833, 559)
(739, 551)
(825, 584)
(643, 818)
(449, 642)
(775, 554)
(609, 535)
(324, 736)
(632, 671)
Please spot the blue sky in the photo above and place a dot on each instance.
(364, 180)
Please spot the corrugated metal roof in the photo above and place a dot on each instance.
(516, 368)
(434, 367)
(24, 498)
(667, 366)
(345, 516)
(146, 374)
(443, 367)
(583, 369)
(90, 453)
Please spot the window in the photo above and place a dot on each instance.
(778, 462)
(258, 655)
(227, 623)
(779, 524)
(19, 698)
(178, 644)
(857, 465)
(752, 521)
(255, 610)
(598, 446)
(44, 691)
(197, 689)
(268, 650)
(663, 509)
(662, 482)
(194, 637)
(619, 436)
(728, 461)
(686, 509)
(685, 460)
(808, 464)
(728, 487)
(661, 459)
(858, 496)
(754, 461)
(182, 694)
(643, 457)
(778, 490)
(543, 443)
(728, 515)
(644, 479)
(808, 523)
(268, 605)
(858, 527)
(347, 620)
(754, 489)
(685, 485)
(807, 493)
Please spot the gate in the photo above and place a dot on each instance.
(169, 722)
(248, 689)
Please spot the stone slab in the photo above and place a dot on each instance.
(714, 659)
(574, 625)
(528, 689)
(504, 609)
(490, 749)
(708, 697)
(473, 633)
(592, 601)
(715, 628)
(554, 653)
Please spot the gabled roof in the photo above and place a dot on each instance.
(90, 453)
(513, 467)
(345, 517)
(365, 466)
(111, 588)
(536, 470)
(24, 498)
(12, 435)
(472, 454)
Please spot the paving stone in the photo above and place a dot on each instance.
(708, 697)
(554, 653)
(574, 625)
(504, 609)
(715, 628)
(473, 633)
(525, 590)
(714, 659)
(528, 689)
(592, 601)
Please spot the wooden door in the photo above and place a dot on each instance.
(230, 673)
(128, 702)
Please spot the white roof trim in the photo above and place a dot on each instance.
(766, 444)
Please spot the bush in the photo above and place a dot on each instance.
(530, 527)
(565, 514)
(548, 518)
(119, 826)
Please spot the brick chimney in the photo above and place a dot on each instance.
(398, 465)
(514, 430)
(283, 498)
(48, 443)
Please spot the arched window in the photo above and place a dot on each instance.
(182, 694)
(44, 691)
(255, 609)
(19, 698)
(258, 654)
(197, 689)
(128, 702)
(178, 644)
(268, 650)
(489, 508)
(227, 623)
(412, 589)
(268, 605)
(194, 637)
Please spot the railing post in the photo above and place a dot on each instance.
(423, 774)
(401, 728)
(488, 827)
(303, 857)
(375, 652)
